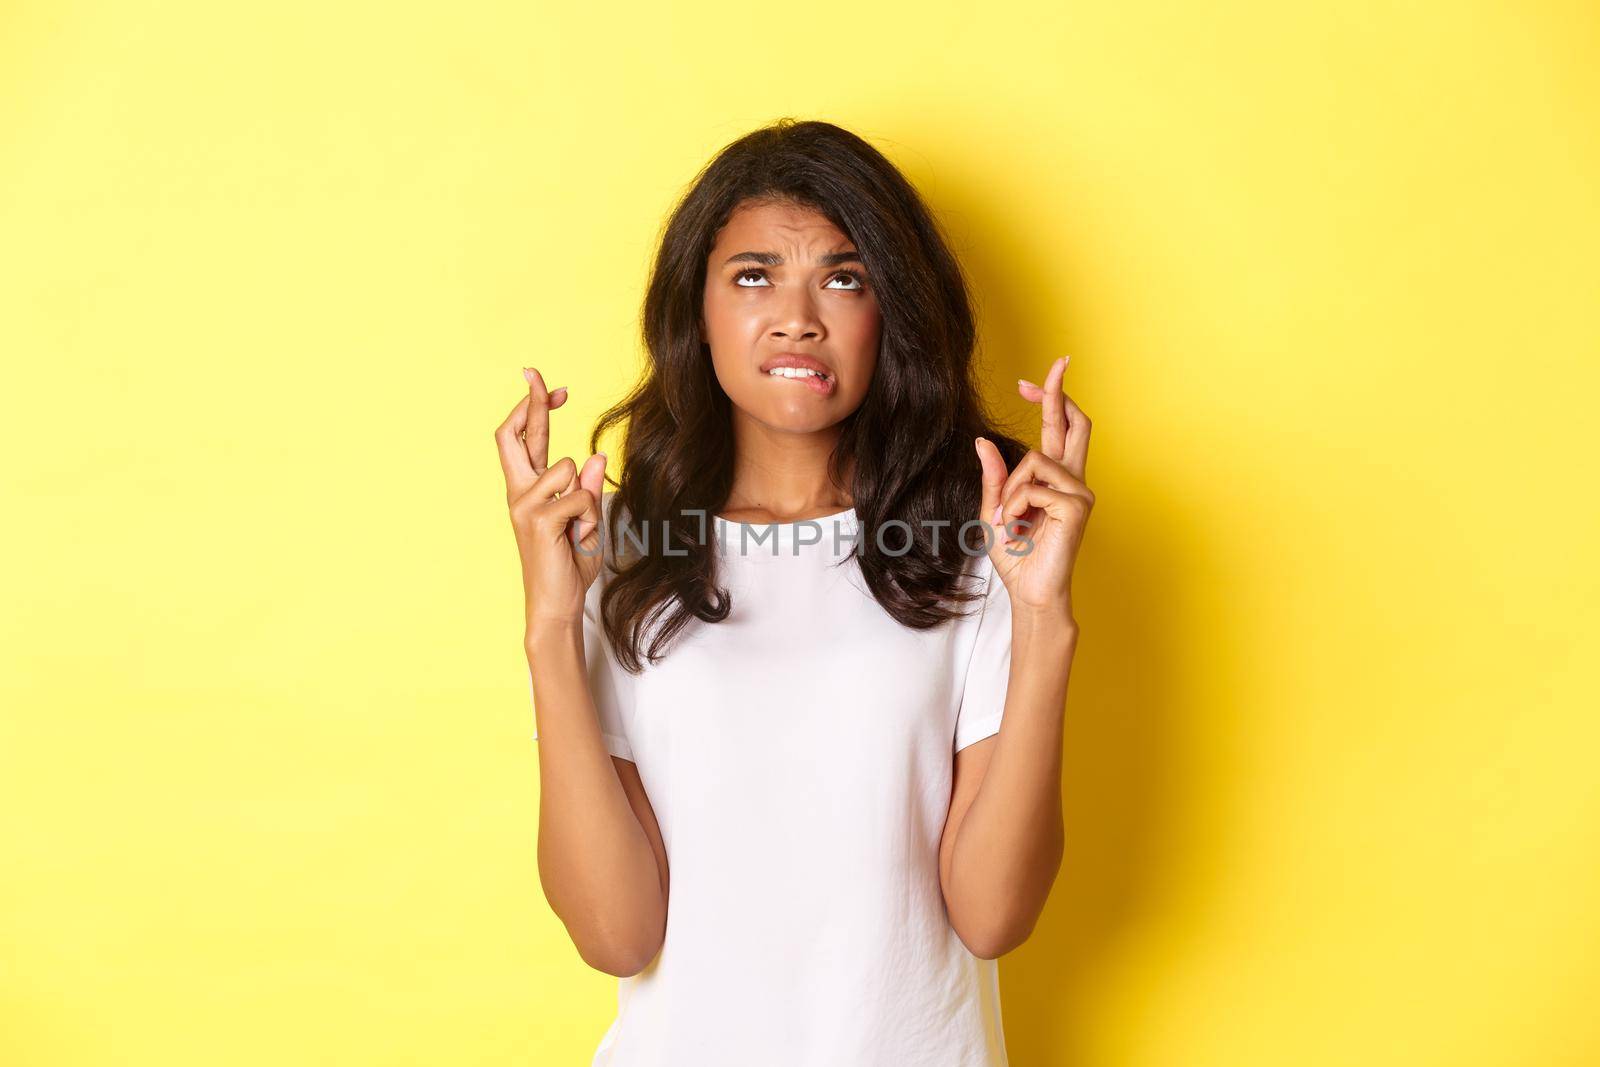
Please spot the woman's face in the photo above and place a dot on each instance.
(784, 288)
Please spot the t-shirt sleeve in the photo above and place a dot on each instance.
(988, 674)
(610, 684)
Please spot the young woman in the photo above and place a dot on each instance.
(799, 679)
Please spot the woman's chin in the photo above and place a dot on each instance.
(802, 418)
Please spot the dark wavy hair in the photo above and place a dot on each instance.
(909, 444)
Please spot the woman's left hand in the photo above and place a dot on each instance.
(1043, 502)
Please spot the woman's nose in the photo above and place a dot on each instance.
(798, 319)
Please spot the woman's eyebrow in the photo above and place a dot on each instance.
(772, 259)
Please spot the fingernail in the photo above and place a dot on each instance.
(1024, 381)
(558, 389)
(527, 372)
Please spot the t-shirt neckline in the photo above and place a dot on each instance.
(759, 537)
(847, 515)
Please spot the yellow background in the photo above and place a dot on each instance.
(1328, 277)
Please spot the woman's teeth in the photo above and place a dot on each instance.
(795, 372)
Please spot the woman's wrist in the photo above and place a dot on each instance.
(1043, 625)
(544, 637)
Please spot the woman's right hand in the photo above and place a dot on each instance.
(559, 562)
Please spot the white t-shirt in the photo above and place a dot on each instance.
(799, 757)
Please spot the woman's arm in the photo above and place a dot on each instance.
(601, 859)
(1003, 840)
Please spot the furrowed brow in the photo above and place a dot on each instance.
(772, 259)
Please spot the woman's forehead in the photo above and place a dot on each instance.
(780, 223)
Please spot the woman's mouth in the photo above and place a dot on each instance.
(817, 381)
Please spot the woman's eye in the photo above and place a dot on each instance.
(852, 279)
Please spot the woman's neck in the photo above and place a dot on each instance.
(783, 477)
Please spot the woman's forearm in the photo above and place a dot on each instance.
(1009, 844)
(596, 863)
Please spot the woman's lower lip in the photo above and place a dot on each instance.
(820, 386)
